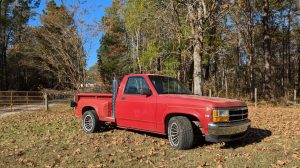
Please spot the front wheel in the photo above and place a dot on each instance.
(90, 121)
(180, 132)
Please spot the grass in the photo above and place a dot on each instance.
(55, 139)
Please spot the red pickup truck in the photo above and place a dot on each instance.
(162, 105)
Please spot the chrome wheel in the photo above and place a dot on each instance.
(174, 134)
(180, 132)
(88, 123)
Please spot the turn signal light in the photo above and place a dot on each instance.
(220, 119)
(220, 115)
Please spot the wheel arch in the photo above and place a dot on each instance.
(87, 108)
(193, 118)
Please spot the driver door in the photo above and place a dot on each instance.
(136, 110)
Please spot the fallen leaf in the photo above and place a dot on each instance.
(280, 162)
(76, 152)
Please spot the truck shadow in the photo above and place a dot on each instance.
(255, 135)
(106, 128)
(154, 135)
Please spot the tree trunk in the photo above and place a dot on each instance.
(267, 51)
(197, 56)
(180, 61)
(3, 46)
(1, 49)
(298, 69)
(216, 65)
(132, 52)
(158, 66)
(251, 45)
(180, 66)
(138, 50)
(207, 70)
(289, 48)
(226, 83)
(237, 65)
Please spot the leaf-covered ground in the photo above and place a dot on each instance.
(55, 139)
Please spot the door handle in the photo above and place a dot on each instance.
(123, 98)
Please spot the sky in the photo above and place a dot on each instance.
(95, 11)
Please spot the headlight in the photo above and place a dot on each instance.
(220, 115)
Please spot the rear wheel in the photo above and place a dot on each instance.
(180, 132)
(90, 121)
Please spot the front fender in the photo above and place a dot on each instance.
(201, 113)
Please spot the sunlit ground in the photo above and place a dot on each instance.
(55, 139)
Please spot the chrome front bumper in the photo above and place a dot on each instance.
(228, 128)
(218, 132)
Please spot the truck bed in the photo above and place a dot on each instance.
(101, 103)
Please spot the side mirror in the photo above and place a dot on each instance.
(147, 92)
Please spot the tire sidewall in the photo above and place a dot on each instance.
(185, 133)
(171, 122)
(93, 119)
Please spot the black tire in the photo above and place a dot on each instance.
(90, 121)
(180, 133)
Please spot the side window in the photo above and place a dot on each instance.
(135, 85)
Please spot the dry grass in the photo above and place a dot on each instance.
(55, 139)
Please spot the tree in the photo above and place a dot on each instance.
(230, 47)
(14, 14)
(56, 47)
(111, 54)
(266, 49)
(201, 15)
(243, 16)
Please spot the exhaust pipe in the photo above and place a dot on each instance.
(114, 95)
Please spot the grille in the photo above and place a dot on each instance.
(238, 114)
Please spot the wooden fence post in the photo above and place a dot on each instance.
(226, 87)
(295, 95)
(255, 97)
(209, 92)
(46, 101)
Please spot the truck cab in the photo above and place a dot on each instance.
(162, 105)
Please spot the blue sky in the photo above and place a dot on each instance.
(95, 11)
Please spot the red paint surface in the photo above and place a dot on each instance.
(148, 113)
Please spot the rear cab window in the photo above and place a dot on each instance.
(135, 85)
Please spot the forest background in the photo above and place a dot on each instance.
(229, 47)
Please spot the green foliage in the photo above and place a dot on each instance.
(135, 12)
(149, 56)
(113, 45)
(160, 37)
(170, 66)
(14, 16)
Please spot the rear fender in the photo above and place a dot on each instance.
(101, 107)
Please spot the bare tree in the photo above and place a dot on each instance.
(201, 15)
(56, 47)
(267, 49)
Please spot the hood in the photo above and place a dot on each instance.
(203, 101)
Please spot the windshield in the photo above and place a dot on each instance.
(168, 85)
